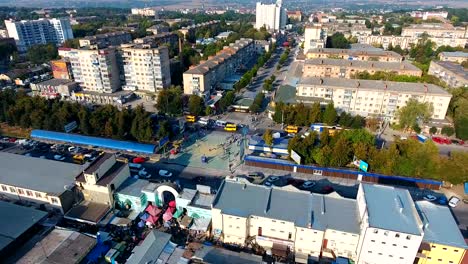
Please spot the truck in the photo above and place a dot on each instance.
(421, 138)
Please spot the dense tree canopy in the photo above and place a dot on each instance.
(42, 53)
(338, 41)
(413, 112)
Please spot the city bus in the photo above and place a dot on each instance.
(190, 118)
(230, 127)
(291, 129)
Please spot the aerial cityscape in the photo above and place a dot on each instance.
(243, 132)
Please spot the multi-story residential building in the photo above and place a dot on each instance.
(391, 230)
(444, 30)
(296, 15)
(347, 29)
(146, 67)
(158, 29)
(42, 31)
(105, 40)
(171, 39)
(150, 12)
(40, 181)
(442, 241)
(350, 54)
(205, 78)
(457, 56)
(189, 31)
(346, 69)
(429, 14)
(285, 219)
(451, 73)
(54, 88)
(95, 70)
(406, 42)
(271, 16)
(315, 37)
(370, 97)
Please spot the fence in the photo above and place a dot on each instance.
(285, 165)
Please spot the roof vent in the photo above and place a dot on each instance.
(399, 204)
(358, 84)
(322, 204)
(321, 81)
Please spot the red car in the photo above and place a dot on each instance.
(139, 160)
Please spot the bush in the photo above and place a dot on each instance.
(448, 131)
(433, 130)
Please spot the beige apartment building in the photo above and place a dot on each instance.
(314, 37)
(349, 54)
(405, 42)
(370, 97)
(457, 56)
(346, 69)
(146, 67)
(451, 73)
(204, 78)
(105, 40)
(94, 70)
(438, 30)
(286, 219)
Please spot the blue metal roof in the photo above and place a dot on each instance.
(94, 141)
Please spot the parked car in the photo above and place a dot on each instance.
(273, 179)
(308, 184)
(139, 160)
(256, 175)
(442, 200)
(430, 198)
(327, 189)
(268, 184)
(59, 157)
(165, 173)
(453, 202)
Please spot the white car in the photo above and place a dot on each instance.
(273, 179)
(453, 202)
(308, 184)
(268, 184)
(72, 148)
(430, 198)
(59, 157)
(165, 173)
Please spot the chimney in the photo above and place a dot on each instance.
(425, 88)
(358, 84)
(322, 205)
(372, 65)
(386, 86)
(321, 81)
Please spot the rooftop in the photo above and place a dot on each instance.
(107, 178)
(392, 209)
(203, 200)
(286, 94)
(439, 225)
(88, 211)
(352, 52)
(61, 246)
(302, 208)
(150, 249)
(214, 255)
(453, 67)
(48, 176)
(132, 187)
(15, 220)
(454, 54)
(56, 82)
(106, 35)
(375, 65)
(374, 85)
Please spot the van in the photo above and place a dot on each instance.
(230, 127)
(291, 129)
(190, 118)
(203, 121)
(220, 123)
(135, 166)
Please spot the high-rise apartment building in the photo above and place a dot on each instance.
(315, 37)
(272, 16)
(146, 67)
(42, 31)
(95, 70)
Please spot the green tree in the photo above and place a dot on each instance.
(433, 130)
(42, 53)
(448, 131)
(338, 41)
(268, 137)
(341, 153)
(325, 137)
(208, 110)
(195, 105)
(315, 113)
(329, 116)
(413, 112)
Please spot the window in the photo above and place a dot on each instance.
(20, 191)
(29, 193)
(383, 243)
(273, 230)
(380, 254)
(440, 260)
(54, 200)
(456, 250)
(369, 252)
(444, 248)
(289, 235)
(394, 245)
(397, 235)
(390, 256)
(408, 237)
(12, 190)
(433, 246)
(372, 240)
(401, 257)
(4, 188)
(405, 246)
(386, 233)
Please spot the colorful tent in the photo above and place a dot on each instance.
(153, 210)
(167, 216)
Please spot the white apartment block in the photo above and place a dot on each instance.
(204, 79)
(405, 42)
(276, 218)
(445, 30)
(150, 12)
(453, 74)
(146, 67)
(350, 54)
(429, 14)
(271, 16)
(391, 230)
(370, 97)
(95, 70)
(346, 69)
(315, 37)
(42, 31)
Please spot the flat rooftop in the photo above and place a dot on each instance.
(61, 246)
(108, 177)
(88, 212)
(42, 175)
(150, 249)
(420, 88)
(453, 67)
(15, 220)
(392, 209)
(353, 52)
(439, 225)
(56, 82)
(374, 65)
(203, 200)
(214, 255)
(132, 187)
(460, 54)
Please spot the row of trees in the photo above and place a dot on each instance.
(257, 104)
(18, 109)
(406, 158)
(249, 75)
(458, 111)
(302, 115)
(283, 58)
(268, 83)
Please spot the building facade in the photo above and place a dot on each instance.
(146, 67)
(315, 37)
(95, 70)
(271, 16)
(346, 69)
(444, 30)
(149, 12)
(457, 56)
(42, 31)
(391, 230)
(54, 88)
(429, 14)
(105, 40)
(405, 42)
(372, 98)
(205, 78)
(349, 54)
(295, 15)
(451, 73)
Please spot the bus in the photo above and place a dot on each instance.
(190, 118)
(230, 127)
(291, 129)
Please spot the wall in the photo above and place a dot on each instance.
(234, 229)
(309, 241)
(342, 244)
(442, 254)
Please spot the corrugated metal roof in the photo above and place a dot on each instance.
(150, 249)
(94, 141)
(439, 225)
(392, 209)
